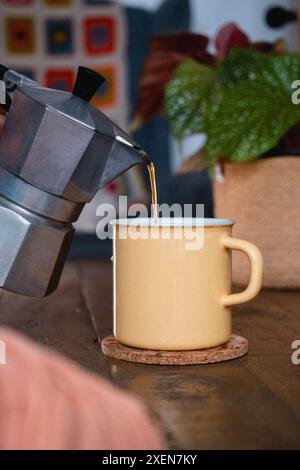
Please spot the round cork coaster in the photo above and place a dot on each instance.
(236, 346)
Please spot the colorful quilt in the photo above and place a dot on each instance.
(48, 39)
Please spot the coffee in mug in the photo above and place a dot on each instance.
(172, 281)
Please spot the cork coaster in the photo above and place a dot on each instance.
(236, 346)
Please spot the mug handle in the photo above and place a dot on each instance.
(256, 271)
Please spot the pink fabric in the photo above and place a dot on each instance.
(47, 402)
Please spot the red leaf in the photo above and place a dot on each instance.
(290, 142)
(184, 43)
(166, 53)
(230, 36)
(277, 47)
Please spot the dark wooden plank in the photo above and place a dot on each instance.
(221, 406)
(271, 323)
(97, 289)
(269, 327)
(60, 321)
(253, 402)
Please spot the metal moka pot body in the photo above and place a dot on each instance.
(56, 152)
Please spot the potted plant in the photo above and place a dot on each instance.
(244, 99)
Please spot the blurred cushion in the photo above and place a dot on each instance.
(48, 402)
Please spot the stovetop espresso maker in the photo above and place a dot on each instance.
(56, 151)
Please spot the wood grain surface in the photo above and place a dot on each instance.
(249, 403)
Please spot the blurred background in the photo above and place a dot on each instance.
(48, 39)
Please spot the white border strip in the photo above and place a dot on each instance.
(173, 222)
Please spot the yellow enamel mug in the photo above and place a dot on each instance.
(172, 282)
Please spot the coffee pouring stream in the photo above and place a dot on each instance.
(56, 152)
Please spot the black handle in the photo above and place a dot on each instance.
(7, 103)
(278, 16)
(3, 70)
(87, 83)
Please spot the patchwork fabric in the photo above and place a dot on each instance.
(99, 35)
(62, 79)
(57, 3)
(95, 2)
(106, 94)
(59, 36)
(18, 3)
(48, 39)
(20, 34)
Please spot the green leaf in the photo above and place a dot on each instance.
(241, 64)
(184, 97)
(249, 118)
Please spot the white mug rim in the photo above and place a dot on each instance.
(173, 222)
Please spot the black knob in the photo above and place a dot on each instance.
(277, 16)
(87, 83)
(3, 70)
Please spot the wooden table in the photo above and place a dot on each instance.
(249, 403)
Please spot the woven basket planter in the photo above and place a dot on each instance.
(263, 197)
